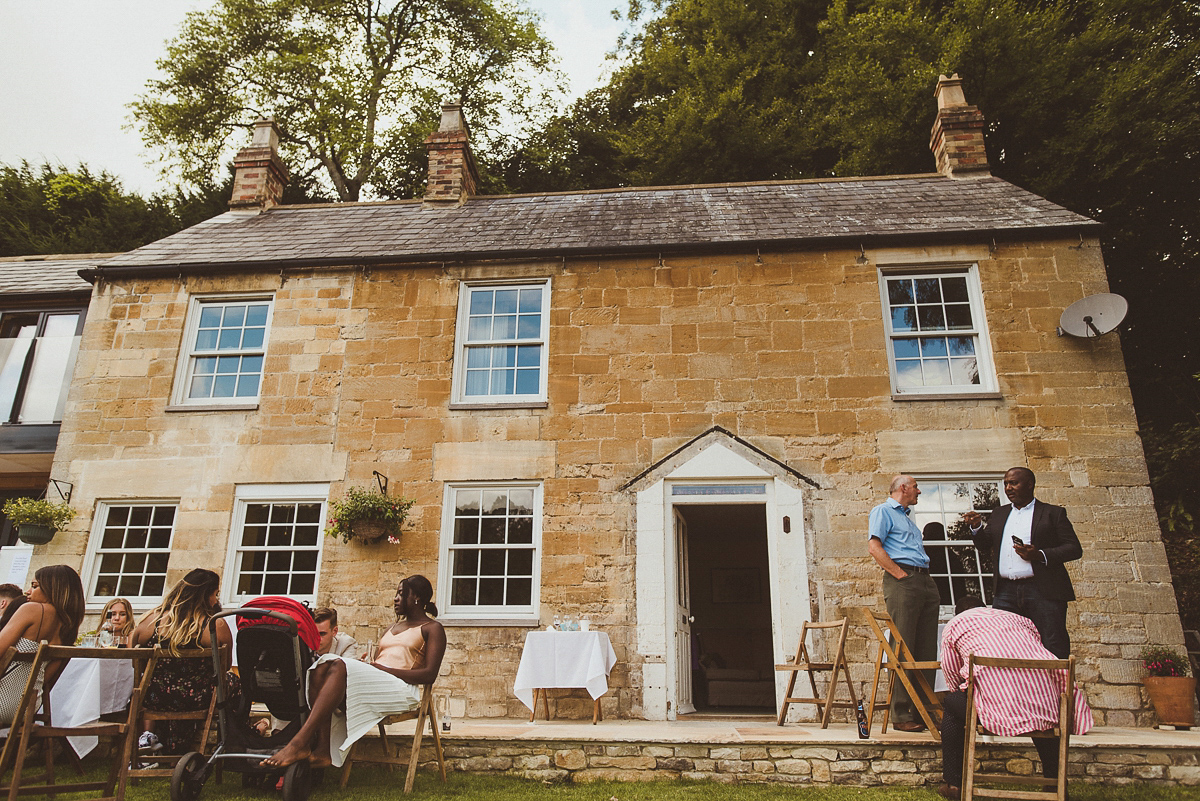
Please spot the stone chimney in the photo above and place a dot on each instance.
(258, 173)
(957, 136)
(453, 176)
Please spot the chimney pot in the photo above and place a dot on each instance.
(453, 176)
(957, 136)
(259, 175)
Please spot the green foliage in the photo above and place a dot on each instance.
(38, 512)
(1158, 660)
(354, 87)
(48, 209)
(366, 505)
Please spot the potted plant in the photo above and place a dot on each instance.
(367, 516)
(37, 520)
(1171, 689)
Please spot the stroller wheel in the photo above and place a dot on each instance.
(189, 776)
(297, 782)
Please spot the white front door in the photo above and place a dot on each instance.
(683, 620)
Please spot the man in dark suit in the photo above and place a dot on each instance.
(1031, 541)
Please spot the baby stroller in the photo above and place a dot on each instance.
(275, 645)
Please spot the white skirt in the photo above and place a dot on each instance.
(371, 695)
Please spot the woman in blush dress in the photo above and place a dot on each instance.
(410, 655)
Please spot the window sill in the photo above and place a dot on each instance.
(522, 622)
(214, 407)
(499, 405)
(942, 396)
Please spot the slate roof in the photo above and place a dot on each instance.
(44, 275)
(664, 219)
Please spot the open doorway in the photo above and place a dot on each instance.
(732, 657)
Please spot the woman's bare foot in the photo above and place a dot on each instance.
(287, 755)
(320, 760)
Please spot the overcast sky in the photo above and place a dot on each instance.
(69, 68)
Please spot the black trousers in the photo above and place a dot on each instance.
(954, 728)
(1049, 615)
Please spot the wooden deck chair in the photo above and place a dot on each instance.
(895, 656)
(423, 712)
(1048, 789)
(804, 662)
(27, 728)
(164, 764)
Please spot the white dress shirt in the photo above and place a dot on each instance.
(1019, 524)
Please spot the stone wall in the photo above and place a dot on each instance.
(818, 764)
(784, 350)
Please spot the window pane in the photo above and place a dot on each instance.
(254, 337)
(529, 326)
(206, 339)
(964, 371)
(527, 382)
(520, 592)
(954, 289)
(479, 328)
(224, 386)
(210, 316)
(520, 562)
(931, 318)
(908, 373)
(235, 315)
(529, 356)
(247, 386)
(492, 531)
(520, 530)
(481, 301)
(466, 531)
(504, 327)
(230, 339)
(933, 346)
(904, 318)
(491, 592)
(900, 291)
(463, 591)
(929, 290)
(936, 372)
(492, 562)
(958, 317)
(466, 562)
(907, 348)
(531, 300)
(506, 301)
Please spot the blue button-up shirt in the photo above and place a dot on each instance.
(890, 524)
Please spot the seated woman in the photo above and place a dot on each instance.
(53, 613)
(410, 655)
(180, 622)
(117, 617)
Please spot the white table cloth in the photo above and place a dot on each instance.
(563, 659)
(87, 689)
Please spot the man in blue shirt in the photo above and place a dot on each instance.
(909, 592)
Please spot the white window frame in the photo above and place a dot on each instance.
(188, 353)
(95, 553)
(979, 332)
(923, 512)
(246, 494)
(485, 614)
(461, 346)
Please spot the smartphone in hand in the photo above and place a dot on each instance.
(1017, 540)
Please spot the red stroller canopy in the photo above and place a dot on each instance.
(305, 627)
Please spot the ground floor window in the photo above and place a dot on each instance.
(955, 564)
(275, 545)
(129, 550)
(490, 542)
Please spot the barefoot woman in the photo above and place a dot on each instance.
(410, 655)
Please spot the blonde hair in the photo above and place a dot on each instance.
(184, 611)
(128, 627)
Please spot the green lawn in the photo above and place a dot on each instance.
(371, 784)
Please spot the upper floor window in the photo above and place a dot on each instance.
(956, 565)
(937, 338)
(490, 548)
(275, 546)
(38, 350)
(224, 345)
(501, 343)
(129, 551)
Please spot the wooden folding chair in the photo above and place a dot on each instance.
(28, 727)
(1060, 732)
(895, 656)
(164, 764)
(804, 662)
(423, 712)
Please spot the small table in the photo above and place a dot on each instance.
(87, 689)
(564, 659)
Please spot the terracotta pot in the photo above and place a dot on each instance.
(370, 531)
(34, 534)
(1174, 699)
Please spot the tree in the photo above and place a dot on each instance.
(51, 209)
(354, 85)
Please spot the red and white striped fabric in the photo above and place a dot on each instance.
(1011, 702)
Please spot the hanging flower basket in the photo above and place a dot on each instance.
(37, 520)
(367, 516)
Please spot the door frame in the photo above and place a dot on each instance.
(719, 463)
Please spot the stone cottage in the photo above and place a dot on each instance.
(669, 409)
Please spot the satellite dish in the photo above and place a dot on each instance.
(1093, 316)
